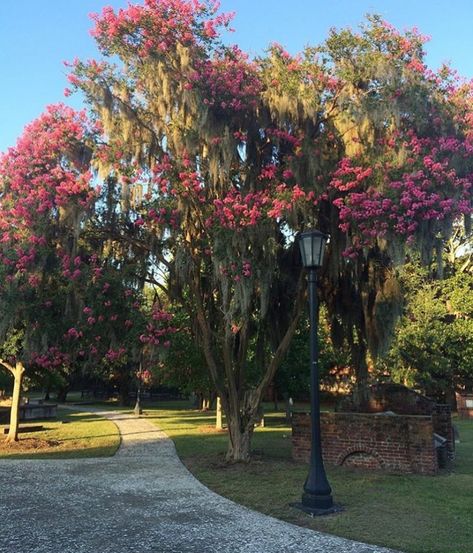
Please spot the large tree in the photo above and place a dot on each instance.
(221, 159)
(217, 189)
(45, 193)
(68, 300)
(403, 179)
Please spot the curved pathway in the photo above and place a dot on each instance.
(141, 500)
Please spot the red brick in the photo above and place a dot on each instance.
(395, 443)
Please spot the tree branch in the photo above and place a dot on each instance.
(286, 340)
(7, 366)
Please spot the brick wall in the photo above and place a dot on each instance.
(393, 443)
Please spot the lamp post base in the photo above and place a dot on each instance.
(138, 410)
(317, 501)
(317, 511)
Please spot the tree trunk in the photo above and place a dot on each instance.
(124, 393)
(124, 382)
(361, 391)
(17, 371)
(62, 394)
(239, 445)
(289, 407)
(242, 417)
(240, 407)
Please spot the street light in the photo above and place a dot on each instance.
(138, 410)
(317, 496)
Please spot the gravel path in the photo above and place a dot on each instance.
(140, 500)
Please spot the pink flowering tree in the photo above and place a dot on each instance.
(205, 190)
(121, 329)
(46, 194)
(218, 160)
(68, 303)
(403, 178)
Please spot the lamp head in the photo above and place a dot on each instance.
(312, 245)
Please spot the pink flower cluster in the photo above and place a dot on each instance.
(158, 25)
(159, 329)
(73, 334)
(38, 180)
(376, 203)
(162, 217)
(349, 177)
(274, 201)
(284, 136)
(53, 358)
(236, 211)
(145, 375)
(229, 81)
(189, 184)
(237, 271)
(114, 355)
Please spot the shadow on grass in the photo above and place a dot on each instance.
(61, 454)
(91, 437)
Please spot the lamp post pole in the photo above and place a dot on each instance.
(317, 495)
(137, 410)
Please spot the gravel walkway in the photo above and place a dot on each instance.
(141, 500)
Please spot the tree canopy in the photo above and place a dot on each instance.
(212, 162)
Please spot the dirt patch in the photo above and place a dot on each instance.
(28, 444)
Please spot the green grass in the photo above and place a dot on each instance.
(416, 514)
(72, 435)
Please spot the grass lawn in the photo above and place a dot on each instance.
(70, 435)
(416, 514)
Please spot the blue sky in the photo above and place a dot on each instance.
(36, 36)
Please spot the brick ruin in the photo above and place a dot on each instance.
(396, 442)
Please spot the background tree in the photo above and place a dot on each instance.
(184, 366)
(293, 377)
(433, 342)
(403, 178)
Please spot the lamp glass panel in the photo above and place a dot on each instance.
(312, 246)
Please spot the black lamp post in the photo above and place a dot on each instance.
(138, 410)
(317, 496)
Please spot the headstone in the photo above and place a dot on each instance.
(289, 409)
(456, 434)
(261, 416)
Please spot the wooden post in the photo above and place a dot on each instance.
(218, 423)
